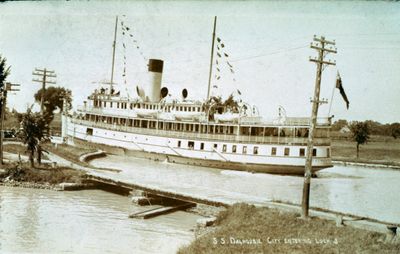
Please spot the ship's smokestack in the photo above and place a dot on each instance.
(155, 76)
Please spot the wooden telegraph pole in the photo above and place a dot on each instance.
(8, 87)
(319, 45)
(45, 74)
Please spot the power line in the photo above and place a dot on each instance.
(270, 53)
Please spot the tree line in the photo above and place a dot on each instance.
(375, 128)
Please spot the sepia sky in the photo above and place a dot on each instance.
(267, 43)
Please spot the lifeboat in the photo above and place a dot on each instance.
(188, 115)
(227, 117)
(141, 112)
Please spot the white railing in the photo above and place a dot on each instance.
(288, 121)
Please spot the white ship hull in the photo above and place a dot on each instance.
(201, 151)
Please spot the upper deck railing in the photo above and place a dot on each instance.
(244, 120)
(205, 136)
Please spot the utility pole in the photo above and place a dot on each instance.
(45, 74)
(320, 44)
(8, 87)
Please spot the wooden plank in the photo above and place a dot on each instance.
(160, 211)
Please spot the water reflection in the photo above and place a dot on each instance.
(93, 221)
(368, 192)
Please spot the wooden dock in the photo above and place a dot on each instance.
(161, 211)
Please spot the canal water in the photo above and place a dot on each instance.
(368, 192)
(90, 221)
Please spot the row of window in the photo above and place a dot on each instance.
(286, 151)
(210, 128)
(124, 105)
(191, 145)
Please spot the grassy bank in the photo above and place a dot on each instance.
(41, 174)
(70, 153)
(19, 149)
(247, 229)
(379, 150)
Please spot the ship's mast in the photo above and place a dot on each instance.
(113, 56)
(212, 57)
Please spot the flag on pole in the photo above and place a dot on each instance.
(340, 87)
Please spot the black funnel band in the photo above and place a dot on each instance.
(156, 65)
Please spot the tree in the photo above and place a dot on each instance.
(34, 130)
(4, 72)
(361, 132)
(395, 130)
(53, 99)
(339, 124)
(213, 105)
(231, 104)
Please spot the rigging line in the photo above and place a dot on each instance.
(268, 54)
(333, 92)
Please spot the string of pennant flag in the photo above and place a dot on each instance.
(222, 58)
(129, 37)
(127, 31)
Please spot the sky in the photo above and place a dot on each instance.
(267, 42)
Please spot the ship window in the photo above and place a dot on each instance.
(273, 151)
(286, 151)
(224, 148)
(234, 149)
(302, 152)
(215, 146)
(201, 146)
(179, 143)
(191, 144)
(89, 131)
(244, 149)
(255, 150)
(328, 154)
(314, 152)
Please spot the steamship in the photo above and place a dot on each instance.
(196, 132)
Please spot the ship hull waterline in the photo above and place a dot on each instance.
(227, 165)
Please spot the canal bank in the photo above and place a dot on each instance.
(224, 187)
(88, 221)
(330, 191)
